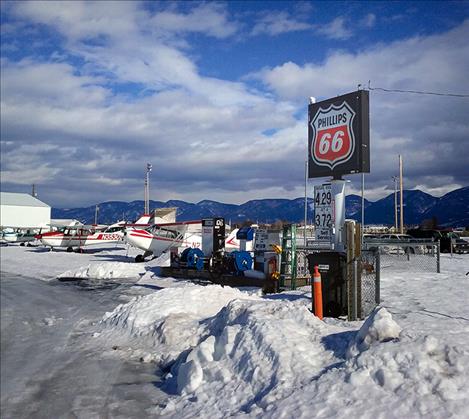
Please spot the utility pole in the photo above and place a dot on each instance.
(401, 203)
(394, 178)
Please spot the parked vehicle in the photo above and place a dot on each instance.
(393, 243)
(459, 245)
(400, 248)
(447, 239)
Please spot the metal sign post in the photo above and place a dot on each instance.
(338, 193)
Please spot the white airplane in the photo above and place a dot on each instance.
(80, 236)
(160, 238)
(21, 235)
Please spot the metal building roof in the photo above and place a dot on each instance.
(20, 199)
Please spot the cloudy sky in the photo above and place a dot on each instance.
(215, 95)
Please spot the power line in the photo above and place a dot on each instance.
(417, 92)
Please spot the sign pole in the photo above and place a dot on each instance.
(338, 196)
(306, 200)
(363, 209)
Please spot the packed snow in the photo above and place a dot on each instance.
(42, 263)
(226, 352)
(105, 270)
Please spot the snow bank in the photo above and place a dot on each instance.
(378, 327)
(257, 350)
(228, 352)
(106, 270)
(171, 320)
(46, 265)
(275, 359)
(426, 367)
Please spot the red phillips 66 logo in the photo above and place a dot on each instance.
(333, 141)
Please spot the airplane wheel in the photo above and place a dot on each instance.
(21, 244)
(69, 249)
(139, 258)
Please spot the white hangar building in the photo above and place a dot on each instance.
(23, 210)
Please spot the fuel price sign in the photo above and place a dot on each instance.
(323, 211)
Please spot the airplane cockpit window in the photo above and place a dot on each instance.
(113, 229)
(162, 232)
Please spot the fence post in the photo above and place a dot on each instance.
(355, 290)
(377, 277)
(438, 256)
(350, 272)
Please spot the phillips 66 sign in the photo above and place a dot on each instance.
(338, 135)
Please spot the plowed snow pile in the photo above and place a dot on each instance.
(106, 270)
(224, 352)
(160, 326)
(228, 353)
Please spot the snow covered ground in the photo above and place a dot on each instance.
(217, 351)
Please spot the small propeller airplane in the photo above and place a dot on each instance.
(21, 235)
(78, 237)
(160, 238)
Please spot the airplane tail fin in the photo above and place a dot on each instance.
(231, 240)
(144, 219)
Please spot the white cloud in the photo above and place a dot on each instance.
(75, 132)
(276, 23)
(83, 20)
(369, 20)
(195, 145)
(431, 132)
(207, 18)
(126, 41)
(436, 62)
(49, 82)
(335, 29)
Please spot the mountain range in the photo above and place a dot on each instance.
(451, 209)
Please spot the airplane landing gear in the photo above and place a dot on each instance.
(69, 249)
(141, 258)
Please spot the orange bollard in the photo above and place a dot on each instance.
(317, 293)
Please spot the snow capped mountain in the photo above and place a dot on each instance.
(451, 209)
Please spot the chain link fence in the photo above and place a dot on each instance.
(369, 290)
(409, 255)
(355, 283)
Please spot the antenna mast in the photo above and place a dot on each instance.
(401, 197)
(147, 188)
